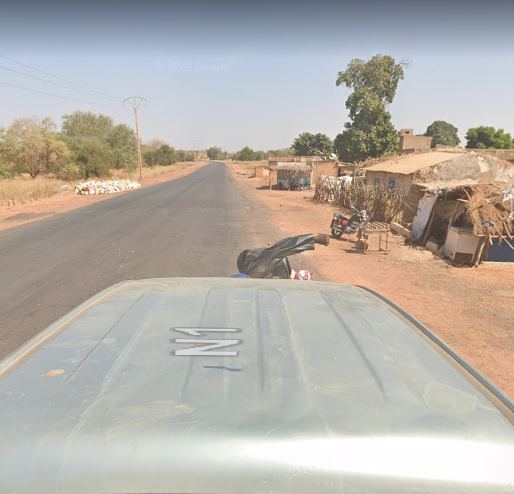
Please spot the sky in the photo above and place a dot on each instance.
(235, 74)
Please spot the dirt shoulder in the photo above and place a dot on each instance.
(471, 309)
(19, 214)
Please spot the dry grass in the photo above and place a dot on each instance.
(250, 165)
(22, 190)
(487, 211)
(152, 172)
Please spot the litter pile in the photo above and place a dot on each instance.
(107, 187)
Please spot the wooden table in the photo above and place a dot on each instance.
(376, 228)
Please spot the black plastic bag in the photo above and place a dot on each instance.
(271, 262)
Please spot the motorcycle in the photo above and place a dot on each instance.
(341, 224)
(302, 186)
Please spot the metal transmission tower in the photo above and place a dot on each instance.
(135, 101)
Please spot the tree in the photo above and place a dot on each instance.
(359, 142)
(183, 155)
(246, 154)
(153, 145)
(488, 138)
(123, 142)
(31, 146)
(260, 156)
(87, 124)
(94, 157)
(164, 155)
(374, 84)
(120, 139)
(216, 153)
(443, 133)
(6, 169)
(307, 144)
(281, 152)
(167, 155)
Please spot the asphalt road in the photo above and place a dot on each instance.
(192, 226)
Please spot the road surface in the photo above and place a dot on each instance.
(192, 226)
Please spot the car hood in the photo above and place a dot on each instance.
(243, 386)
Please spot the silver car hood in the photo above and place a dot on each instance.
(319, 388)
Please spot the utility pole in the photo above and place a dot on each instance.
(194, 150)
(135, 101)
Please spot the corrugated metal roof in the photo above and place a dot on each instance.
(413, 162)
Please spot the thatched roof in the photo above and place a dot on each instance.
(290, 166)
(487, 210)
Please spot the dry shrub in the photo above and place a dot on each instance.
(487, 212)
(22, 190)
(380, 202)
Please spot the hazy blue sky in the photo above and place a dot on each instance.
(232, 74)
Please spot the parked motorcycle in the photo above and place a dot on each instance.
(302, 186)
(341, 224)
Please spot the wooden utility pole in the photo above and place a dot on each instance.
(140, 161)
(194, 151)
(135, 101)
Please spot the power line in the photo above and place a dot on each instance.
(154, 125)
(56, 95)
(53, 83)
(159, 126)
(60, 78)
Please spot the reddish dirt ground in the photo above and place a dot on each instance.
(19, 214)
(471, 309)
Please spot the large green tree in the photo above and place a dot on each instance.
(216, 153)
(164, 155)
(87, 133)
(123, 142)
(307, 144)
(246, 154)
(488, 138)
(87, 124)
(373, 83)
(93, 156)
(359, 142)
(31, 146)
(443, 133)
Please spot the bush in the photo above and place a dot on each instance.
(69, 172)
(165, 155)
(215, 153)
(93, 156)
(6, 171)
(185, 156)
